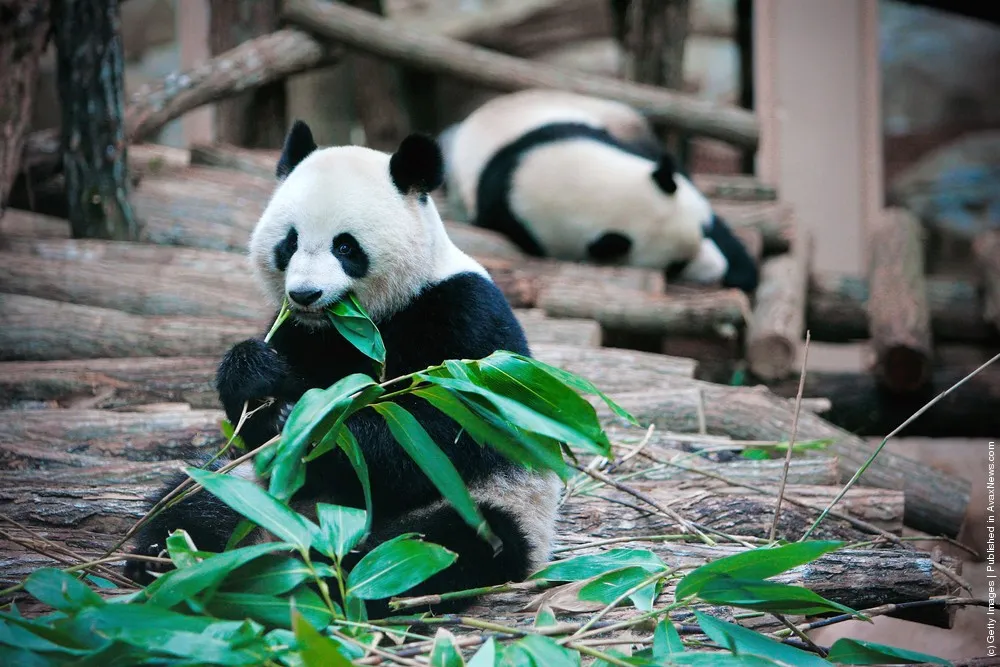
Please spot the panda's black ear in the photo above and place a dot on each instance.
(417, 165)
(664, 174)
(299, 144)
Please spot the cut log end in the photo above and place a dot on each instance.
(772, 356)
(903, 368)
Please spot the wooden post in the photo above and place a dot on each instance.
(24, 32)
(898, 314)
(778, 323)
(91, 89)
(256, 118)
(986, 248)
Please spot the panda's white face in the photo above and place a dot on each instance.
(339, 222)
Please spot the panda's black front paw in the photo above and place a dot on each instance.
(143, 571)
(251, 371)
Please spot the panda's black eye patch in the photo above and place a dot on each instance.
(285, 249)
(348, 251)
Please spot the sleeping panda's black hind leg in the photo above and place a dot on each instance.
(476, 565)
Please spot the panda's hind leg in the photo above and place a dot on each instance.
(476, 564)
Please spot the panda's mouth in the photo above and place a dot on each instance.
(314, 317)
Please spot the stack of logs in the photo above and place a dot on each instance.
(108, 350)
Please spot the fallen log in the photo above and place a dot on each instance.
(131, 381)
(775, 331)
(434, 53)
(737, 511)
(853, 577)
(24, 34)
(837, 310)
(41, 330)
(898, 314)
(258, 162)
(15, 223)
(860, 405)
(936, 502)
(156, 289)
(50, 439)
(986, 248)
(715, 314)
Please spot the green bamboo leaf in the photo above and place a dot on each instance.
(522, 416)
(396, 566)
(758, 563)
(356, 327)
(540, 651)
(243, 528)
(578, 383)
(180, 585)
(317, 413)
(743, 641)
(486, 656)
(232, 437)
(341, 529)
(18, 636)
(259, 506)
(579, 568)
(272, 575)
(544, 617)
(349, 444)
(666, 640)
(445, 653)
(181, 549)
(847, 651)
(330, 439)
(60, 590)
(519, 377)
(487, 429)
(315, 649)
(412, 437)
(771, 597)
(716, 660)
(271, 610)
(607, 587)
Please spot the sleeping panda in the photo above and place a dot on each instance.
(582, 179)
(351, 219)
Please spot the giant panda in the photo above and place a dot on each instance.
(582, 179)
(351, 219)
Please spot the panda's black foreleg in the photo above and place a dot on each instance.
(476, 565)
(253, 373)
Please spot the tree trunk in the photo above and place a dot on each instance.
(91, 91)
(24, 33)
(898, 314)
(256, 118)
(774, 334)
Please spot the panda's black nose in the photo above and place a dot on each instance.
(305, 297)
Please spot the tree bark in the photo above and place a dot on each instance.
(431, 52)
(863, 407)
(255, 118)
(24, 34)
(986, 248)
(735, 188)
(115, 383)
(94, 147)
(898, 314)
(774, 333)
(936, 502)
(701, 313)
(837, 310)
(774, 219)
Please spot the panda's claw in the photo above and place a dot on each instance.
(143, 572)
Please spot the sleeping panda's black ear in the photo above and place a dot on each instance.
(417, 165)
(664, 174)
(299, 144)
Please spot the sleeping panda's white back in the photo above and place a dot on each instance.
(505, 118)
(349, 190)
